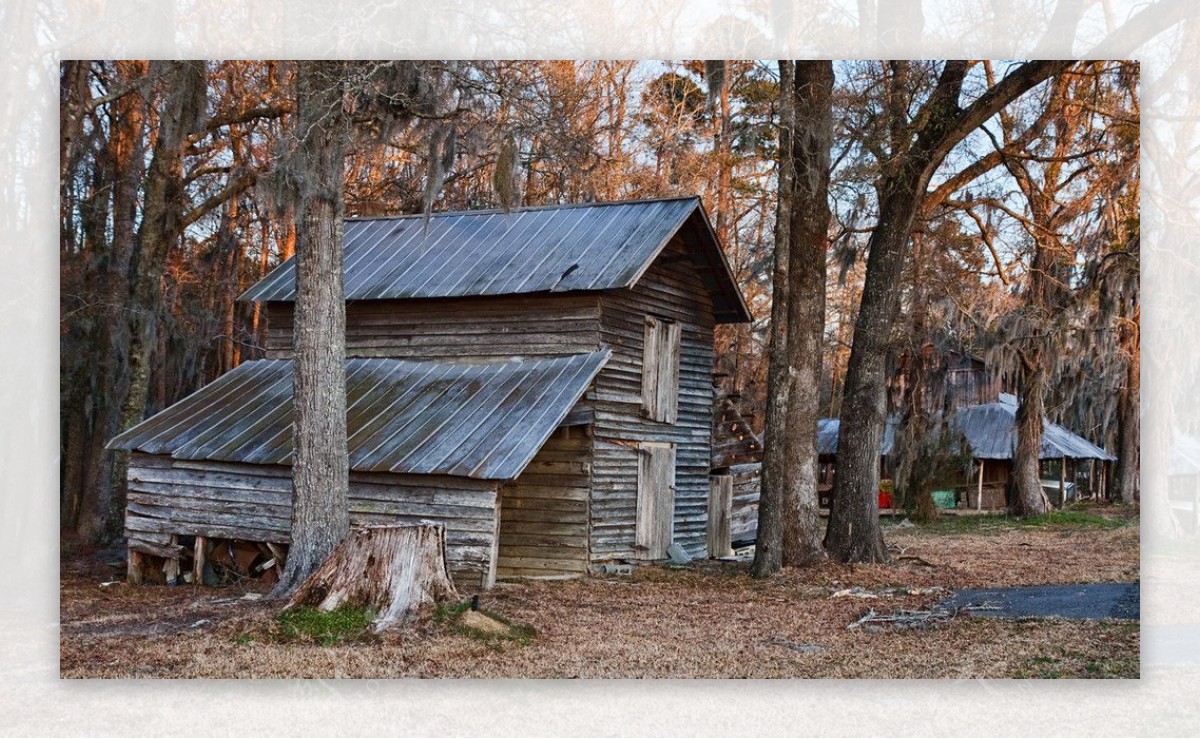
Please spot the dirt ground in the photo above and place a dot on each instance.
(707, 620)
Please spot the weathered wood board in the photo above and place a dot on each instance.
(253, 503)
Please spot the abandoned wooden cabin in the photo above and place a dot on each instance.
(539, 381)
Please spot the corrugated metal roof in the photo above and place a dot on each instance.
(473, 420)
(594, 246)
(827, 436)
(990, 430)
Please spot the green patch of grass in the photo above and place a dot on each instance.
(244, 639)
(999, 523)
(1071, 519)
(325, 627)
(451, 614)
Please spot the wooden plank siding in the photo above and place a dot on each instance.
(253, 503)
(544, 512)
(670, 289)
(491, 327)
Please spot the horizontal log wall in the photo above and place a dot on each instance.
(670, 289)
(496, 327)
(544, 512)
(253, 503)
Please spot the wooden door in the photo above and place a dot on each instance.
(660, 370)
(656, 499)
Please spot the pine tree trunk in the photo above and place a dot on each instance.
(768, 541)
(809, 236)
(320, 467)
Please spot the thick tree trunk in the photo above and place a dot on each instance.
(1031, 499)
(854, 534)
(1129, 429)
(768, 542)
(392, 569)
(811, 147)
(320, 467)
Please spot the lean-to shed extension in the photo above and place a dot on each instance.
(428, 441)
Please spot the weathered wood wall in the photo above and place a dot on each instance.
(747, 486)
(671, 289)
(457, 328)
(544, 512)
(530, 325)
(253, 503)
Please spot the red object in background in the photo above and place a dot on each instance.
(885, 499)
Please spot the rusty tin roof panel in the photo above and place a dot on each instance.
(483, 421)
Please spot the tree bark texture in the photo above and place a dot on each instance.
(320, 467)
(1129, 423)
(768, 541)
(392, 569)
(809, 236)
(1031, 499)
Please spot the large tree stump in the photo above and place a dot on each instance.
(394, 569)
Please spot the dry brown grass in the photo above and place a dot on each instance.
(708, 621)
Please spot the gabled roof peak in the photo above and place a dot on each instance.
(560, 248)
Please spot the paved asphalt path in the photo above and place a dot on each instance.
(1088, 601)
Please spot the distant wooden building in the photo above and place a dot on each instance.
(539, 381)
(960, 379)
(990, 430)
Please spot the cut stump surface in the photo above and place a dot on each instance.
(394, 569)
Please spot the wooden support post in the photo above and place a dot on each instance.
(1075, 478)
(133, 567)
(720, 515)
(171, 566)
(198, 556)
(277, 555)
(979, 492)
(1092, 479)
(1062, 482)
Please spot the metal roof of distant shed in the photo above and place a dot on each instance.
(485, 421)
(592, 246)
(991, 430)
